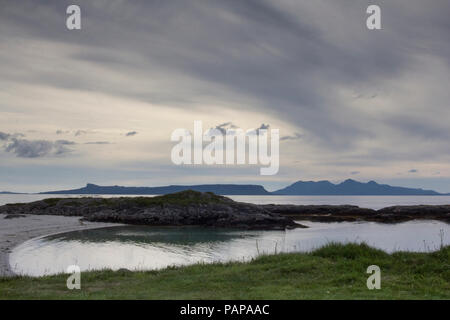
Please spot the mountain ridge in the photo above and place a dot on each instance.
(323, 187)
(221, 189)
(349, 187)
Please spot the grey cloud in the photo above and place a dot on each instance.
(225, 126)
(98, 142)
(131, 133)
(17, 135)
(290, 59)
(229, 126)
(80, 132)
(4, 136)
(8, 136)
(354, 172)
(76, 133)
(262, 127)
(37, 148)
(65, 142)
(60, 147)
(296, 136)
(413, 171)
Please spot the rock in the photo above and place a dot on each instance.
(328, 213)
(178, 209)
(14, 216)
(210, 210)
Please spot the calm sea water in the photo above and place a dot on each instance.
(374, 202)
(147, 248)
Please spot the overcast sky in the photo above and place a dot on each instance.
(99, 104)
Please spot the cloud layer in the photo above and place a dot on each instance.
(346, 99)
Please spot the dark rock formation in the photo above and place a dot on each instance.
(436, 212)
(325, 213)
(330, 213)
(208, 209)
(14, 216)
(183, 208)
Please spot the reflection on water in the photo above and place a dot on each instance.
(144, 247)
(152, 235)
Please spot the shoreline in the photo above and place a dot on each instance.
(334, 276)
(17, 230)
(197, 208)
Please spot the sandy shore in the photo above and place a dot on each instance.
(20, 229)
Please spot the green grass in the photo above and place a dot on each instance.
(179, 198)
(331, 272)
(51, 201)
(182, 198)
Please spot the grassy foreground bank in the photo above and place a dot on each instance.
(332, 272)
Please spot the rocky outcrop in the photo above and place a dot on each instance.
(178, 209)
(208, 209)
(330, 213)
(324, 213)
(398, 213)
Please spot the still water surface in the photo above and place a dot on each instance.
(146, 248)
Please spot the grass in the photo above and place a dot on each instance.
(52, 201)
(332, 272)
(182, 198)
(179, 198)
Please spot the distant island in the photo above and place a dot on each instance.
(317, 188)
(351, 188)
(220, 189)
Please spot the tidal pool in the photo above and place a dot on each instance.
(147, 248)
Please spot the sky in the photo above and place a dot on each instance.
(99, 104)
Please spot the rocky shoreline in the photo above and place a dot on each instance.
(177, 209)
(340, 213)
(210, 210)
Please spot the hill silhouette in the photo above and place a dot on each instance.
(348, 187)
